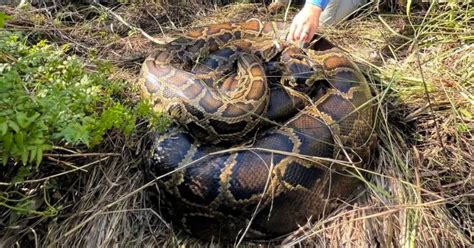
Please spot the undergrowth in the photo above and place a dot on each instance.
(51, 100)
(48, 97)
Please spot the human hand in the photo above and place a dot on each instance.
(305, 24)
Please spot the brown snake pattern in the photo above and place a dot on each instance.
(306, 115)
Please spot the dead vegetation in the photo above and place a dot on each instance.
(419, 193)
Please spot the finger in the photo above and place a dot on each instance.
(309, 36)
(312, 32)
(297, 34)
(305, 34)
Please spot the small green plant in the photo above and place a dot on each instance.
(3, 17)
(47, 97)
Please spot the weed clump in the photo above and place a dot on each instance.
(50, 98)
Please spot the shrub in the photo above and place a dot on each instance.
(48, 97)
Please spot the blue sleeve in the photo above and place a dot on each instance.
(320, 3)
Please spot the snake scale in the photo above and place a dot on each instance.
(267, 135)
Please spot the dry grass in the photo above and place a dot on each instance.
(419, 193)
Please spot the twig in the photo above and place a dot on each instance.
(64, 149)
(82, 155)
(149, 37)
(56, 175)
(65, 163)
(428, 99)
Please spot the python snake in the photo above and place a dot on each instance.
(268, 135)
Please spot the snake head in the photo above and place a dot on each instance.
(269, 49)
(300, 74)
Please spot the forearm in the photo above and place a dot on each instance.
(313, 11)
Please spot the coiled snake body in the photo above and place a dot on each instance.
(260, 150)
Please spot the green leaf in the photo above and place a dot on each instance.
(39, 155)
(466, 113)
(3, 17)
(3, 128)
(19, 138)
(34, 117)
(33, 151)
(462, 128)
(24, 156)
(75, 133)
(85, 80)
(7, 141)
(14, 126)
(4, 158)
(22, 119)
(22, 173)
